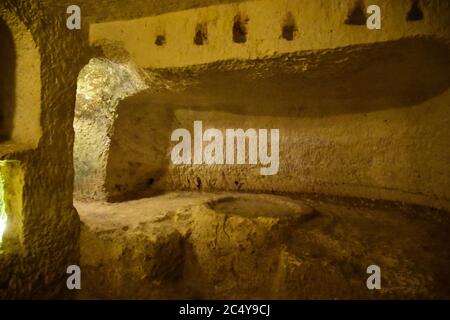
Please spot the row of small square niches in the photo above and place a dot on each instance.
(356, 16)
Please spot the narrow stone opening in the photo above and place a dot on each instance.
(201, 34)
(11, 220)
(160, 40)
(19, 85)
(415, 13)
(356, 15)
(240, 29)
(289, 29)
(288, 32)
(7, 81)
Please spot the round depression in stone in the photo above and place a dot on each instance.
(254, 206)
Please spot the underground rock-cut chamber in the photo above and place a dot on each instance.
(333, 109)
(222, 241)
(352, 188)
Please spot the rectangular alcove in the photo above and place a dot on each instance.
(11, 218)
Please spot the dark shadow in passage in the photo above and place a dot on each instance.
(7, 81)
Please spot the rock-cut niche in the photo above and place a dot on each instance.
(20, 85)
(7, 81)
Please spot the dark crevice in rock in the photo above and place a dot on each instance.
(160, 40)
(289, 28)
(357, 17)
(415, 13)
(240, 29)
(201, 35)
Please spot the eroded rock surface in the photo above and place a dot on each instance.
(229, 246)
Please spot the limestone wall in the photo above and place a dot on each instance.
(378, 132)
(317, 25)
(361, 113)
(18, 94)
(48, 59)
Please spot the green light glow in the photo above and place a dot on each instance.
(3, 219)
(11, 185)
(4, 167)
(3, 216)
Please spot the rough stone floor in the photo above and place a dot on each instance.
(248, 246)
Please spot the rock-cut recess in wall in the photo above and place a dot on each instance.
(11, 219)
(102, 84)
(20, 84)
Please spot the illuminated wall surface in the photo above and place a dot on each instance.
(219, 149)
(3, 216)
(11, 186)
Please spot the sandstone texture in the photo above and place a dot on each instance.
(354, 106)
(246, 246)
(46, 59)
(364, 149)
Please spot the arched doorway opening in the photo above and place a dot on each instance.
(7, 81)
